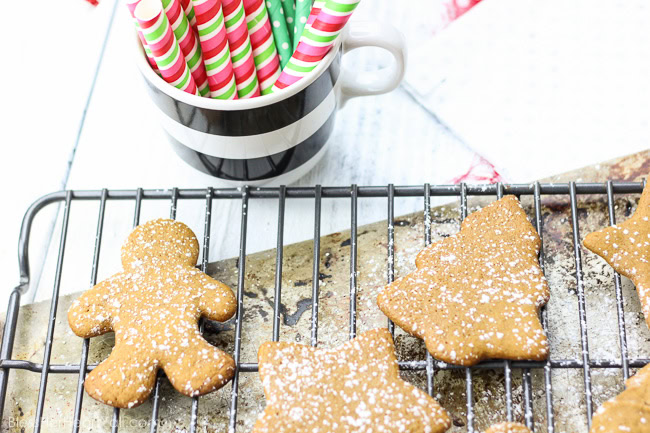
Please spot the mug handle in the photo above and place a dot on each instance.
(373, 34)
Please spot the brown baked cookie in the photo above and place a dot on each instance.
(476, 295)
(355, 388)
(629, 411)
(153, 307)
(508, 427)
(626, 247)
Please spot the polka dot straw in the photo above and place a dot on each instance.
(280, 31)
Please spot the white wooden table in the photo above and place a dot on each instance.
(536, 87)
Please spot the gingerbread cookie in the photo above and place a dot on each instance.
(476, 294)
(153, 307)
(629, 411)
(356, 388)
(626, 247)
(508, 427)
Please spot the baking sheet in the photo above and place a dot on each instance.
(489, 392)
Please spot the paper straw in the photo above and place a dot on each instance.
(303, 9)
(216, 53)
(265, 54)
(160, 37)
(280, 31)
(131, 4)
(316, 42)
(188, 42)
(289, 9)
(241, 51)
(315, 10)
(188, 8)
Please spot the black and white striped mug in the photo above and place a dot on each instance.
(275, 138)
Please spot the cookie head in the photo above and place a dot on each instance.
(160, 242)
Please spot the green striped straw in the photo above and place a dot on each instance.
(280, 31)
(303, 8)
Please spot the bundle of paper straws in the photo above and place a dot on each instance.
(229, 49)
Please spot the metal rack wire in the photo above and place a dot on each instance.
(318, 193)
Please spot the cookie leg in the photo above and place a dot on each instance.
(201, 369)
(122, 380)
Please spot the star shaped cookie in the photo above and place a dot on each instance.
(629, 411)
(476, 295)
(355, 388)
(626, 247)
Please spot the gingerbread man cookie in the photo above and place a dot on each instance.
(626, 247)
(356, 388)
(629, 411)
(153, 307)
(508, 427)
(476, 295)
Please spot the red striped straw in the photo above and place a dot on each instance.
(188, 8)
(131, 4)
(216, 53)
(316, 41)
(163, 44)
(315, 10)
(188, 42)
(241, 51)
(265, 53)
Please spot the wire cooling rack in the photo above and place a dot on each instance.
(317, 194)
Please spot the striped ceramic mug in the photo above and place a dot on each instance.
(275, 138)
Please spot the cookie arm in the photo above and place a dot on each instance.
(216, 301)
(89, 316)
